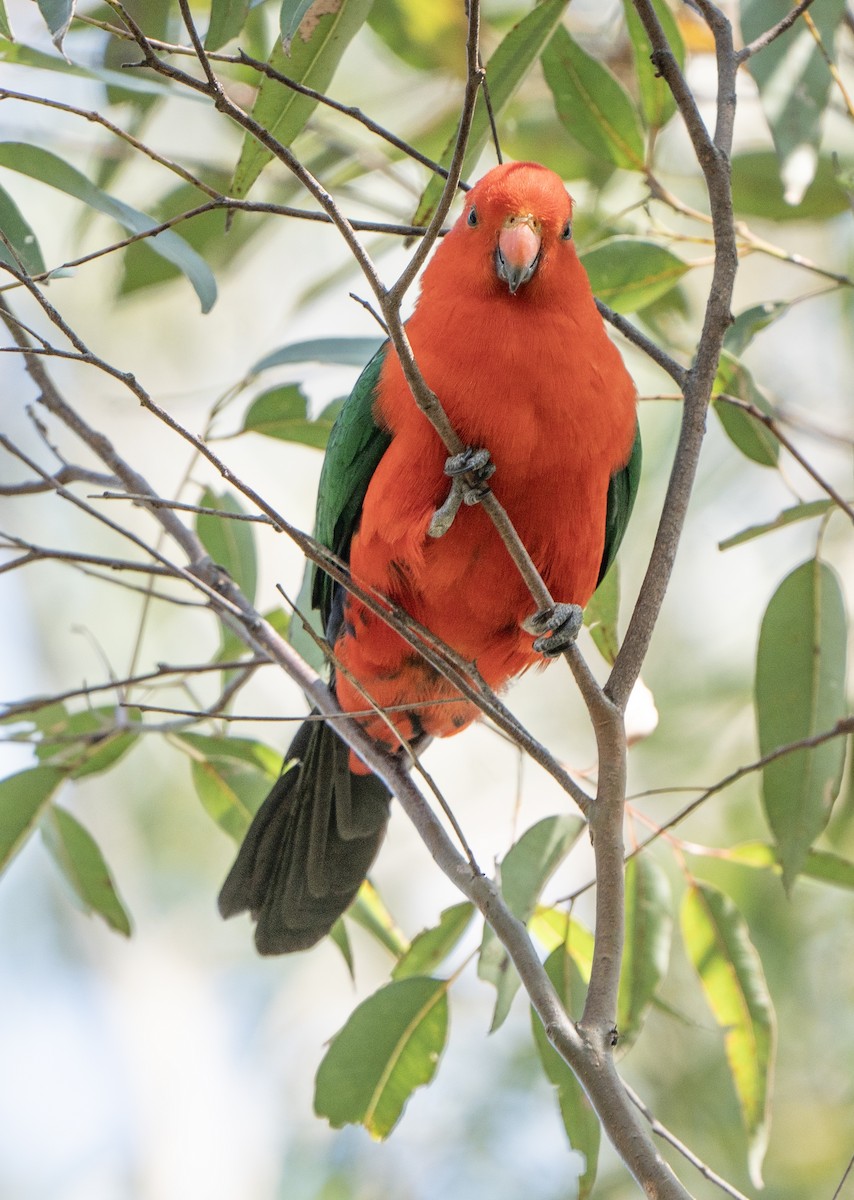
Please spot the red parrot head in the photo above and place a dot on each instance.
(516, 228)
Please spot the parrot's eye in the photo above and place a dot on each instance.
(566, 232)
(472, 217)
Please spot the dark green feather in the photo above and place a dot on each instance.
(356, 445)
(621, 499)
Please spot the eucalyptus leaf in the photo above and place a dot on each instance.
(41, 164)
(20, 234)
(592, 104)
(798, 512)
(656, 99)
(390, 1045)
(325, 31)
(232, 776)
(752, 437)
(344, 351)
(718, 944)
(629, 273)
(80, 860)
(227, 21)
(5, 27)
(229, 542)
(24, 797)
(799, 692)
(646, 951)
(57, 16)
(431, 947)
(282, 412)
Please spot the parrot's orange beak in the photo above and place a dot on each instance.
(518, 251)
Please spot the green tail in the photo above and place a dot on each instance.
(310, 845)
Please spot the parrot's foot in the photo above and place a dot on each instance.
(561, 622)
(469, 472)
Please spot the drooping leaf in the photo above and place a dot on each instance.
(390, 1046)
(524, 872)
(282, 412)
(57, 16)
(646, 953)
(89, 741)
(794, 84)
(227, 20)
(601, 613)
(24, 797)
(28, 56)
(343, 351)
(751, 321)
(508, 65)
(758, 192)
(799, 692)
(370, 911)
(23, 240)
(432, 946)
(77, 855)
(5, 27)
(41, 164)
(592, 104)
(580, 1121)
(798, 512)
(231, 776)
(325, 31)
(339, 935)
(718, 944)
(656, 99)
(230, 543)
(750, 435)
(629, 273)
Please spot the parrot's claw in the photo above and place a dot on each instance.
(557, 626)
(468, 471)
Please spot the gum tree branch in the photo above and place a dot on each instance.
(771, 35)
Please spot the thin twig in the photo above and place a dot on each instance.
(771, 35)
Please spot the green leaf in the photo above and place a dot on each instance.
(427, 37)
(282, 412)
(719, 946)
(345, 351)
(752, 438)
(28, 56)
(227, 20)
(232, 777)
(339, 935)
(390, 1046)
(823, 866)
(47, 168)
(324, 34)
(524, 872)
(794, 83)
(629, 273)
(57, 16)
(230, 543)
(23, 799)
(799, 692)
(656, 99)
(508, 66)
(592, 104)
(601, 613)
(369, 910)
(19, 233)
(758, 192)
(5, 27)
(432, 946)
(579, 1118)
(752, 321)
(798, 512)
(78, 857)
(87, 742)
(290, 17)
(646, 953)
(554, 927)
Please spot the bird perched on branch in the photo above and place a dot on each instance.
(507, 335)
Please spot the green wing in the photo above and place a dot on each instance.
(621, 499)
(356, 445)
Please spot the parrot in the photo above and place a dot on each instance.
(507, 334)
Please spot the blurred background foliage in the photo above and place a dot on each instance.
(179, 1064)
